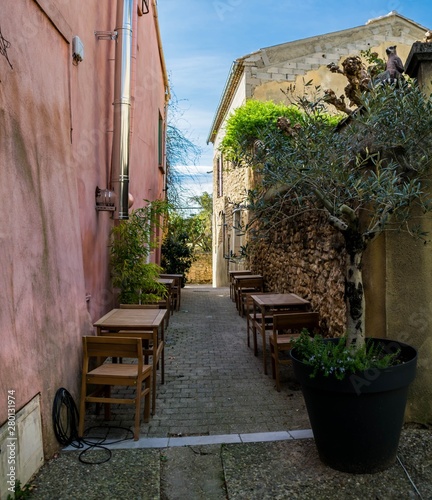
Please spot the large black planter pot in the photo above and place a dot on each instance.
(357, 422)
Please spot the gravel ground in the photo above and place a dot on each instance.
(249, 471)
(292, 469)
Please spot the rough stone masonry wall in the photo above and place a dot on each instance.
(306, 256)
(201, 269)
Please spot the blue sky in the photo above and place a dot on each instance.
(201, 39)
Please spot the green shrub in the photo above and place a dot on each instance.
(339, 360)
(177, 254)
(248, 122)
(131, 243)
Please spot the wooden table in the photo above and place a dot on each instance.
(131, 319)
(267, 304)
(178, 281)
(146, 323)
(231, 279)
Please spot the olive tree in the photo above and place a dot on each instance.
(368, 174)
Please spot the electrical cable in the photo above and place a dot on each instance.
(409, 477)
(65, 422)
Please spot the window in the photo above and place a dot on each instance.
(143, 7)
(237, 233)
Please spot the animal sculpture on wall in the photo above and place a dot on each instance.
(394, 68)
(427, 37)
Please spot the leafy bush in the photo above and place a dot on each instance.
(247, 123)
(131, 244)
(338, 360)
(177, 254)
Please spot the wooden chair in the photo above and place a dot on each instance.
(290, 324)
(247, 286)
(175, 290)
(232, 281)
(164, 303)
(251, 329)
(259, 331)
(152, 346)
(146, 345)
(115, 374)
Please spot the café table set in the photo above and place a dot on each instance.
(119, 332)
(259, 307)
(137, 333)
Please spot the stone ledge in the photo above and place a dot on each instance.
(420, 52)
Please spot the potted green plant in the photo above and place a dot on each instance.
(355, 398)
(367, 175)
(132, 242)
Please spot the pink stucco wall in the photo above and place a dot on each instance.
(55, 148)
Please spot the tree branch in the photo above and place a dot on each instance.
(337, 223)
(348, 211)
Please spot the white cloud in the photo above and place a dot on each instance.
(195, 180)
(194, 169)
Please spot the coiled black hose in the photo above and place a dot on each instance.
(65, 418)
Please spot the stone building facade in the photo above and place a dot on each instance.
(263, 75)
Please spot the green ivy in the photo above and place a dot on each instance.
(257, 121)
(248, 122)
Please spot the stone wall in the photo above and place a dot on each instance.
(306, 256)
(289, 65)
(201, 270)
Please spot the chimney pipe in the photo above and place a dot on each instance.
(122, 108)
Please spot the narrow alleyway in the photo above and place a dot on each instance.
(213, 383)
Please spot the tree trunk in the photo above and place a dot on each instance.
(355, 300)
